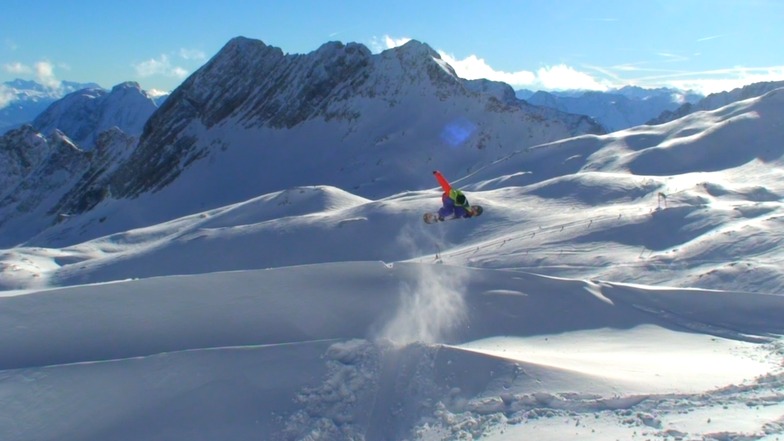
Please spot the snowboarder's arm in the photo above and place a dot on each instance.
(442, 181)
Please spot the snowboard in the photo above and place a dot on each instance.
(432, 218)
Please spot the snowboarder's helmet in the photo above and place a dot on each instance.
(478, 210)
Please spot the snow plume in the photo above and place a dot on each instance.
(431, 306)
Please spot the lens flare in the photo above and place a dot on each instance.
(457, 132)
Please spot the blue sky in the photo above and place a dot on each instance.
(705, 45)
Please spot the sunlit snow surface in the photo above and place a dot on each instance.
(582, 305)
(645, 359)
(353, 350)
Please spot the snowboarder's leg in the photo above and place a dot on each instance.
(445, 212)
(448, 209)
(460, 211)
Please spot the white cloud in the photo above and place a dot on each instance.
(17, 68)
(378, 44)
(726, 79)
(559, 77)
(395, 42)
(160, 66)
(192, 54)
(671, 57)
(712, 81)
(712, 37)
(473, 67)
(156, 93)
(627, 68)
(563, 77)
(178, 72)
(44, 72)
(6, 96)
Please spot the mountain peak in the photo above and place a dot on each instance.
(240, 44)
(337, 48)
(417, 48)
(84, 114)
(126, 86)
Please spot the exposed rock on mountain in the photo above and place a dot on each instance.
(39, 171)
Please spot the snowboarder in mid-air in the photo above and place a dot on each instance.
(455, 203)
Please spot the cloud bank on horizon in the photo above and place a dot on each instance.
(42, 71)
(164, 65)
(564, 77)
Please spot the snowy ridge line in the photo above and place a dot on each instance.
(178, 351)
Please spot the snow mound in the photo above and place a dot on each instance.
(297, 201)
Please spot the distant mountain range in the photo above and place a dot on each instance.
(85, 114)
(633, 106)
(28, 99)
(615, 109)
(716, 100)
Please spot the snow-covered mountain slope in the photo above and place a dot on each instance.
(374, 352)
(86, 133)
(85, 114)
(39, 171)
